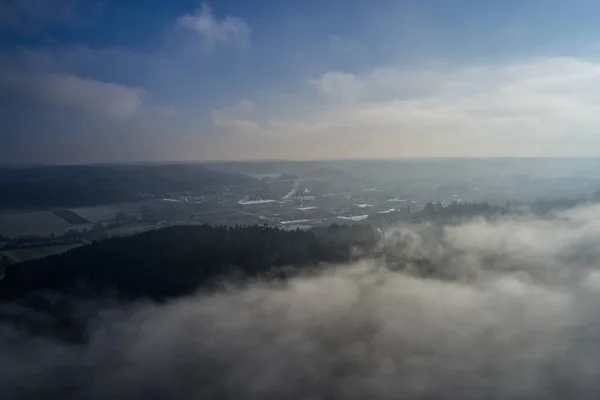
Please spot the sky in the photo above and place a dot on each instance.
(94, 81)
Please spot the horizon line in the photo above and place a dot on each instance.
(279, 160)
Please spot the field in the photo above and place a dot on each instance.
(31, 223)
(105, 212)
(57, 222)
(71, 217)
(32, 253)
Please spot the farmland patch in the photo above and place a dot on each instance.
(71, 217)
(106, 212)
(41, 223)
(32, 253)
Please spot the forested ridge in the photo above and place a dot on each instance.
(51, 296)
(176, 261)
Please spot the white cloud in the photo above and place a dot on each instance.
(236, 118)
(339, 86)
(70, 91)
(110, 99)
(213, 30)
(528, 107)
(246, 104)
(243, 126)
(53, 111)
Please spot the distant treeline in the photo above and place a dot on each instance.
(176, 261)
(160, 265)
(75, 186)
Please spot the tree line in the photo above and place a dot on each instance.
(176, 261)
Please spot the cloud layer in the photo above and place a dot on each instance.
(213, 30)
(518, 320)
(79, 94)
(518, 108)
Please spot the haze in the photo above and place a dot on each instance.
(112, 81)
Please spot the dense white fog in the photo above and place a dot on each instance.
(517, 316)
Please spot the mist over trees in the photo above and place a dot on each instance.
(173, 262)
(176, 261)
(503, 308)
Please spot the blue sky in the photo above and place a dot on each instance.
(112, 81)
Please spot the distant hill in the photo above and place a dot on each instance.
(75, 186)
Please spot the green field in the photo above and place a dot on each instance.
(44, 223)
(32, 253)
(31, 223)
(106, 212)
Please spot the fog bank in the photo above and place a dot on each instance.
(518, 317)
